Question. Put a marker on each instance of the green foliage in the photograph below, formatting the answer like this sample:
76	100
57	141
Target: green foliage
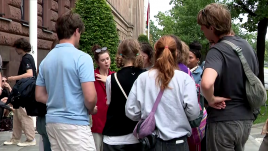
256	10
143	38
100	27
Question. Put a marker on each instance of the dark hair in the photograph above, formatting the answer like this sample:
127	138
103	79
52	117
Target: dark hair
97	54
165	60
195	48
23	44
148	49
67	24
129	50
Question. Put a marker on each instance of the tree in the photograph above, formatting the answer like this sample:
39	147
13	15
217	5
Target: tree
154	32
256	11
143	38
100	27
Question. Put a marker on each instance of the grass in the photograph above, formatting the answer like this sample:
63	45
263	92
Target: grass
262	118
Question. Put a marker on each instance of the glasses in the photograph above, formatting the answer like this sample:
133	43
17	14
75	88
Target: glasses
203	12
100	50
4	81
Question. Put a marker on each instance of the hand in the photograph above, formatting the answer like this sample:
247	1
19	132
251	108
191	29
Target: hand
4	99
265	128
218	102
101	78
6	85
95	110
12	78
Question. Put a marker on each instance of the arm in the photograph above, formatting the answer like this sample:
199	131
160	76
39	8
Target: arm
133	107
28	74
191	106
41	94
90	95
207	84
87	78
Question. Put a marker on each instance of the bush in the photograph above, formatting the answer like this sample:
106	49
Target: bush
100	27
143	38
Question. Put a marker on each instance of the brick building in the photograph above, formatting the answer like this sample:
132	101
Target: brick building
14	24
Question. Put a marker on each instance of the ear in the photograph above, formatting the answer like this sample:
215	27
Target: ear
76	31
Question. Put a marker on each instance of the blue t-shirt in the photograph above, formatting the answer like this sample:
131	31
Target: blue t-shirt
62	72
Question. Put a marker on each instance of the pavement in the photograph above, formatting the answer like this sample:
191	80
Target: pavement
253	143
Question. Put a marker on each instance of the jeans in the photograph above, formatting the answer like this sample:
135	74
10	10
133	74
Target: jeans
178	144
41	129
228	135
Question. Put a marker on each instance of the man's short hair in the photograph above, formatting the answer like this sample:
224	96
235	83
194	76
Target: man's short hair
67	24
217	16
23	44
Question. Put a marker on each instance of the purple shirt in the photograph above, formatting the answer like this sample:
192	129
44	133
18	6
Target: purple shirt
184	68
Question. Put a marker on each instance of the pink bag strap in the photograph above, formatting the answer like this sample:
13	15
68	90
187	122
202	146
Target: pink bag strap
159	96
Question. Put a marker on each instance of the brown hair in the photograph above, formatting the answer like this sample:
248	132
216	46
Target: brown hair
129	50
179	48
67	24
217	16
97	54
185	53
165	60
23	44
148	49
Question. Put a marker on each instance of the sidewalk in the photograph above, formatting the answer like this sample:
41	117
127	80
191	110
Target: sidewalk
255	138
252	144
7	135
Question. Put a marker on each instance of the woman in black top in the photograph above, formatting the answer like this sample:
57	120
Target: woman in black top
118	128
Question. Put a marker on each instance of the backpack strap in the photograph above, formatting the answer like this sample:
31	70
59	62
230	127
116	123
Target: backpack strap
250	75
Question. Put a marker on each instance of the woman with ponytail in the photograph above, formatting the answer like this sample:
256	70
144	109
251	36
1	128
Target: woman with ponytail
178	105
118	128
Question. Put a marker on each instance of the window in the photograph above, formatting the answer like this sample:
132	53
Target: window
46	14
24	8
4	10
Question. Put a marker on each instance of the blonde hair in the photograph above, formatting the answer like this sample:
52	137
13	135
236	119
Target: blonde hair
129	50
184	53
217	16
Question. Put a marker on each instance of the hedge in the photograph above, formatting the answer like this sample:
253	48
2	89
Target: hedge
100	27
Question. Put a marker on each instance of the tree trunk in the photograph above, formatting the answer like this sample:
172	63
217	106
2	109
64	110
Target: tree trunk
262	30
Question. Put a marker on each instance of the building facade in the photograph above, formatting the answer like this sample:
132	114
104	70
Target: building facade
14	24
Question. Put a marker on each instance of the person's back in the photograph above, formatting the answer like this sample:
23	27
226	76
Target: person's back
65	97
231	81
65	84
178	105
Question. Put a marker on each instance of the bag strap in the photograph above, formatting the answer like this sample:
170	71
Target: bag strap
159	96
120	85
250	75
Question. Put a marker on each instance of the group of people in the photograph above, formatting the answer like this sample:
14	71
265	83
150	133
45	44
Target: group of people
97	110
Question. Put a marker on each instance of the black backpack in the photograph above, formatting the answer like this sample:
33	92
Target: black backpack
23	95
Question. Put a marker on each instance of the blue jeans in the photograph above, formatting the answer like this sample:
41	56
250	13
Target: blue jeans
41	129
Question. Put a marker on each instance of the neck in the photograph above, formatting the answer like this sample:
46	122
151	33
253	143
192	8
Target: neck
70	41
147	65
103	72
23	53
220	37
129	63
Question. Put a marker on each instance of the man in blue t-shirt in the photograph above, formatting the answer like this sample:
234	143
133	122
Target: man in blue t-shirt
66	84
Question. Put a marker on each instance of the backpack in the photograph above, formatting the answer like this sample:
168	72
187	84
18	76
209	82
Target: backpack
255	91
198	125
23	95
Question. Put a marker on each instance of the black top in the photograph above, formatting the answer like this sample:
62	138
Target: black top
230	82
27	62
117	123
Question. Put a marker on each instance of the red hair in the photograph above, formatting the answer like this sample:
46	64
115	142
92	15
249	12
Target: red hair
165	60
